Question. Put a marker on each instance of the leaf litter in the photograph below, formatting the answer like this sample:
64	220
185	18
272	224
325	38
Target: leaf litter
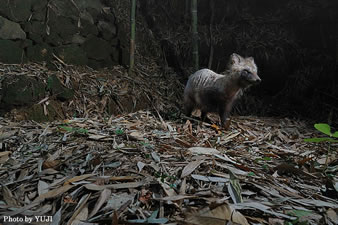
140	168
139	173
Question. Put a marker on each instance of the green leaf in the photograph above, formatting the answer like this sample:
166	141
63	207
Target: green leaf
65	128
324	128
118	131
251	174
316	140
335	134
82	131
267	158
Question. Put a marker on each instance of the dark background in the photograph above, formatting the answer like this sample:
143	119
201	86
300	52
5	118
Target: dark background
294	44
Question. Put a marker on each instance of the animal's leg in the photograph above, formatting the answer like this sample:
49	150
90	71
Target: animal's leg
224	113
203	115
188	108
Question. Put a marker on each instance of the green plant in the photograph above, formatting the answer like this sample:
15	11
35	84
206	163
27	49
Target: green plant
325	129
301	217
72	129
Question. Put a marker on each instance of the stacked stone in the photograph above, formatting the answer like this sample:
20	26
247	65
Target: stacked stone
80	32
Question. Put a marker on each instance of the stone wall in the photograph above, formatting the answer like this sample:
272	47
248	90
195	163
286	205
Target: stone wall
80	32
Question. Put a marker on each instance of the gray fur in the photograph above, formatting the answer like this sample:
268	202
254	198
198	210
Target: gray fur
212	92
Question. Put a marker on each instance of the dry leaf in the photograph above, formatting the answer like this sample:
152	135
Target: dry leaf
78	178
51	164
4	156
105	194
203	151
54	193
43	187
217	216
82	204
9	197
188	169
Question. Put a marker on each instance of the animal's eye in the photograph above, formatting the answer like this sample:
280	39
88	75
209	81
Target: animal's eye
245	72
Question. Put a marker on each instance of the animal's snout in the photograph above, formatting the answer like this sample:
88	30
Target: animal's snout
258	80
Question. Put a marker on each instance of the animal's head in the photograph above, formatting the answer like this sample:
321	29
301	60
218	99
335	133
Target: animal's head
245	68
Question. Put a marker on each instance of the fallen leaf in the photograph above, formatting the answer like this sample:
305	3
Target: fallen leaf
78	178
332	215
43	187
105	194
4	156
188	169
138	136
234	189
217	216
203	151
140	166
53	193
9	197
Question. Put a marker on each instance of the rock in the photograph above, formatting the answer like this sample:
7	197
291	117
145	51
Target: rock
88	29
10	30
88	24
78	39
107	30
97	48
37	38
95	14
87	17
21	90
16	10
36	112
39	5
36	27
39	15
61	8
95	64
85	4
36	31
25	43
63	27
54	39
72	54
57	89
108	15
39	52
10	52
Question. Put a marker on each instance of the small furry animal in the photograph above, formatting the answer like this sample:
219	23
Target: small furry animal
212	92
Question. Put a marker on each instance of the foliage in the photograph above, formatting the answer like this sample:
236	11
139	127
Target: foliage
73	129
325	129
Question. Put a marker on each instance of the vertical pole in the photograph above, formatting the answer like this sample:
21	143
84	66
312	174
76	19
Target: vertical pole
132	36
194	34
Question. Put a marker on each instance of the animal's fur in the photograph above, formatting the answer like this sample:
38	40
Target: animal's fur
212	92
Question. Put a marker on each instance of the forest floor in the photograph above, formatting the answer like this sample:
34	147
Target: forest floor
141	168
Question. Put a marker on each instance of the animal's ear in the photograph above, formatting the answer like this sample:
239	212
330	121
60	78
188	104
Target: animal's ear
250	58
235	58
